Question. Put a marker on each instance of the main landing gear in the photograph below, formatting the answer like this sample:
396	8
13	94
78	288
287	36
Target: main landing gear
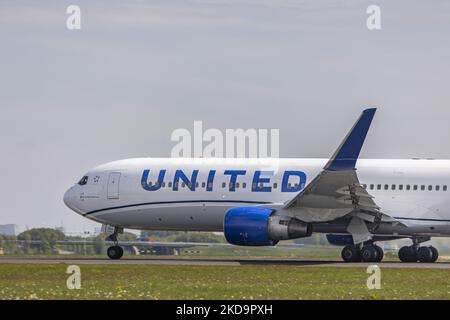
115	252
369	252
416	253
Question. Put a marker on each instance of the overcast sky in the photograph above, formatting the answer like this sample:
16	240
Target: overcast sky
117	88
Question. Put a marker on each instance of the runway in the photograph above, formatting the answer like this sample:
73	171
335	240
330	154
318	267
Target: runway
223	262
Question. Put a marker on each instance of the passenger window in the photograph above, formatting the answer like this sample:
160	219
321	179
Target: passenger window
164	184
244	185
393	187
430	188
150	183
415	187
224	184
400	187
83	181
289	184
437	188
196	184
183	184
422	187
371	186
386	187
156	184
379	187
203	184
364	186
275	185
170	184
444	188
408	187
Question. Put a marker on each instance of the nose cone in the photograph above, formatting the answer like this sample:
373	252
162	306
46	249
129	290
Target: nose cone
70	200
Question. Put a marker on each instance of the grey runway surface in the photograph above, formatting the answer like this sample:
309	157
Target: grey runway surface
222	262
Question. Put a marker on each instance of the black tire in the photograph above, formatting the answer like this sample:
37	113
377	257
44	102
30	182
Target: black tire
369	253
424	254
115	252
120	252
351	253
380	253
435	254
407	254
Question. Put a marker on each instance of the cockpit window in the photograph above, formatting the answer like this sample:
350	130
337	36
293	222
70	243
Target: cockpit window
83	181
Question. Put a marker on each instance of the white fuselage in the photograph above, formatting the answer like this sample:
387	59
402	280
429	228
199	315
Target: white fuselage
127	193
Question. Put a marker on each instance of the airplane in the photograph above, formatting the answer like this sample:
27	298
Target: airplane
259	202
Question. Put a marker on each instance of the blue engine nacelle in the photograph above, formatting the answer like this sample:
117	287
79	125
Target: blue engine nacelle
340	239
257	226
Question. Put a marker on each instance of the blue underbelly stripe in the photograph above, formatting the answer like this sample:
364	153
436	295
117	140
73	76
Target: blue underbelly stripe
421	219
173	202
226	201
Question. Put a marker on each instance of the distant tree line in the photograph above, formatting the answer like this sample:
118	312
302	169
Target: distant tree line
48	241
182	236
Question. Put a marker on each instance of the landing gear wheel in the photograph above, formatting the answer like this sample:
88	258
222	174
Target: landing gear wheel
425	254
369	253
435	254
351	253
115	252
380	253
407	254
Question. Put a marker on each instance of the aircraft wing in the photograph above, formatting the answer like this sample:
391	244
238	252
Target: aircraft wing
336	191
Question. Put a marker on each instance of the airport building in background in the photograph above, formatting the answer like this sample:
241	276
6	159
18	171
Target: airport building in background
8	229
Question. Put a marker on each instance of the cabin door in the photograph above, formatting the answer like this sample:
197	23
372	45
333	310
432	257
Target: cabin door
113	185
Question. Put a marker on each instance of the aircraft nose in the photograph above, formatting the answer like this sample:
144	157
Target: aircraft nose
72	200
69	197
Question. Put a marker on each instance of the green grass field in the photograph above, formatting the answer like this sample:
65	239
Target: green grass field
48	281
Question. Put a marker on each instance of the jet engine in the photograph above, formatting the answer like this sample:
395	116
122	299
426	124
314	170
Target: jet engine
257	226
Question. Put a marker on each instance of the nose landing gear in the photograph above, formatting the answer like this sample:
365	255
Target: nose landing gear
115	252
